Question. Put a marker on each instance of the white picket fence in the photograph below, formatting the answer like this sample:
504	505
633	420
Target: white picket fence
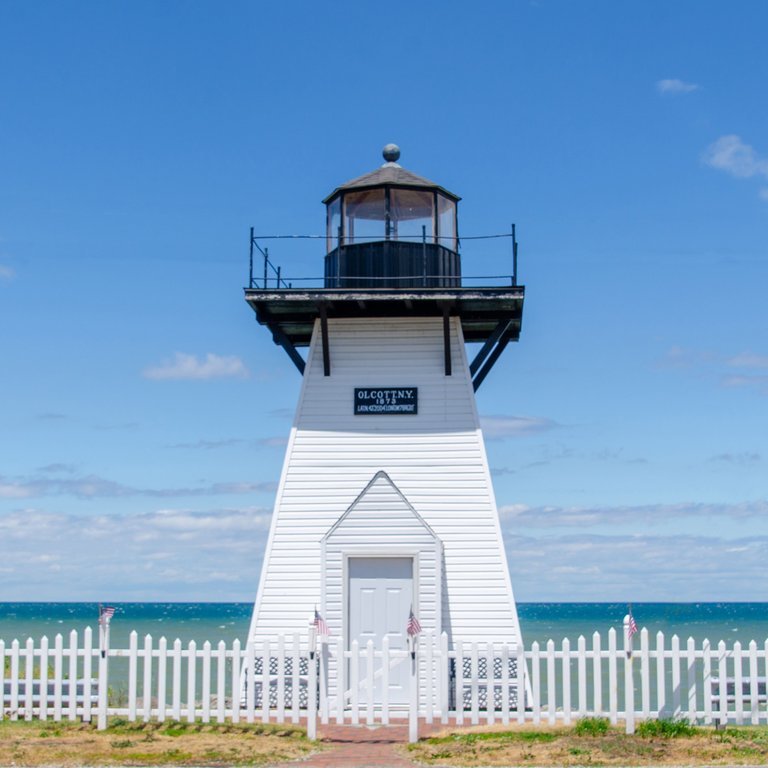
467	684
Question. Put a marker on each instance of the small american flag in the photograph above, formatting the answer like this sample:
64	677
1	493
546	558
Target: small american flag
106	612
632	628
414	625
320	624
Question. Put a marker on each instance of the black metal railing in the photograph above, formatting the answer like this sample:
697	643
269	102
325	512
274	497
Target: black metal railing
375	263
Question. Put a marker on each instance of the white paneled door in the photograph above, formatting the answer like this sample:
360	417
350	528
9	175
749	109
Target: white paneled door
380	598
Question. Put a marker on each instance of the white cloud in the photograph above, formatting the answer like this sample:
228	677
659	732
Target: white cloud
671	568
74	557
94	486
716	367
742	459
7	273
215	554
518	517
498	427
681	358
758	383
732	155
673	86
184	366
748	360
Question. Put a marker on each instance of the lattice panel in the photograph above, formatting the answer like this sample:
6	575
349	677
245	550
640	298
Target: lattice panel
274	666
480	680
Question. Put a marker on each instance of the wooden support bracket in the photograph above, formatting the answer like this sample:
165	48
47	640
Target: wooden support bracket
447	338
498	331
324	334
280	338
489	363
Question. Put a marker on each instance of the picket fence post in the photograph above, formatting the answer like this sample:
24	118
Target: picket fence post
722	673
385	659
459	667
295	677
250	681
235	681
738	684
629	686
429	679
162	665
551	683
505	684
323	650
597	675
566	678
661	694
645	674
369	682
354	682
522	676
613	690
581	665
706	651
44	682
29	677
87	672
221	681
176	680
445	665
676	698
341	674
691	680
146	690
14	703
312	694
101	722
413	710
753	684
536	682
191	681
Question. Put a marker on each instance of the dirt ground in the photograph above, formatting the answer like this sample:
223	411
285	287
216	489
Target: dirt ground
563	746
170	743
79	744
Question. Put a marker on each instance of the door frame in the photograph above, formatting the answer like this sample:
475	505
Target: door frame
384	553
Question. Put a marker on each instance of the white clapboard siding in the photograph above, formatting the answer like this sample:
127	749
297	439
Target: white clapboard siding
435	460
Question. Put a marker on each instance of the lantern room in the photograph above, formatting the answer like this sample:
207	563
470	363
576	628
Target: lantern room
392	229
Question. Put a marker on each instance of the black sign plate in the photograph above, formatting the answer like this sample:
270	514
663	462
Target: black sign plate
378	400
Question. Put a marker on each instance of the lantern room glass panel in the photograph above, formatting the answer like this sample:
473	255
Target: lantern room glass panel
410	211
334	222
365	216
446	222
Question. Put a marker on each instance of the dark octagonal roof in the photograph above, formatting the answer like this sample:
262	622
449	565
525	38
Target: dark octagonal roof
390	174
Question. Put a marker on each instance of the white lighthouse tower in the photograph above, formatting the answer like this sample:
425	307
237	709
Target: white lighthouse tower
385	502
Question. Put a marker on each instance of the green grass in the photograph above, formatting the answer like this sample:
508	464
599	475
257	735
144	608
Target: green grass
665	729
591	726
472	738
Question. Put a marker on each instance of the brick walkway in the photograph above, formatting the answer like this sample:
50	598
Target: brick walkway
360	746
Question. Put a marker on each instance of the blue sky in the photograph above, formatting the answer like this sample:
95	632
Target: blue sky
143	413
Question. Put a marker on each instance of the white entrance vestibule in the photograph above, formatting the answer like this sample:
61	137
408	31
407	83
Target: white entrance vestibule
379	561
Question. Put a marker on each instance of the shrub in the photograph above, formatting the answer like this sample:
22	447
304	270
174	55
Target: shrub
591	726
667	729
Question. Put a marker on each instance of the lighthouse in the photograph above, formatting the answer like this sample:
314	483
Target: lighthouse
385	505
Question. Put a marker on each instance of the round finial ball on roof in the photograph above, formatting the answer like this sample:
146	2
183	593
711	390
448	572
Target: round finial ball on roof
391	153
